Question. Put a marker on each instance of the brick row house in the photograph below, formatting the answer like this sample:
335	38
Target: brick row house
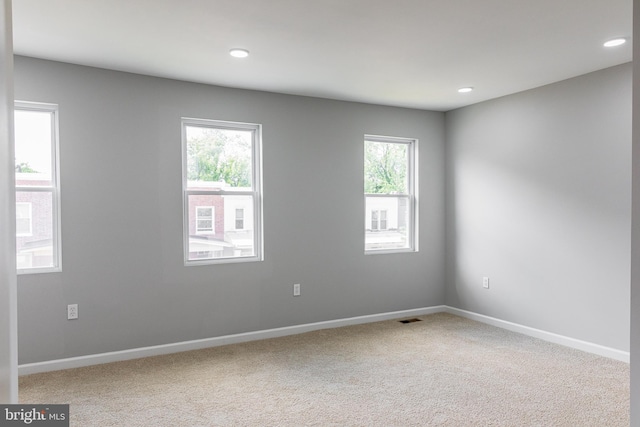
34	239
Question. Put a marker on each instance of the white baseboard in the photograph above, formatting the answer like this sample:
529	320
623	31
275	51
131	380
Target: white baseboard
136	353
589	347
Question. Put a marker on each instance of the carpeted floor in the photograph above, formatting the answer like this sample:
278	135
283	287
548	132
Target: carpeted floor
441	371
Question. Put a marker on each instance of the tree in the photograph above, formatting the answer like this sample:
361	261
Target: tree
219	155
24	167
385	168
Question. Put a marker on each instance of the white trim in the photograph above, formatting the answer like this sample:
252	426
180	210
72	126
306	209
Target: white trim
600	350
136	353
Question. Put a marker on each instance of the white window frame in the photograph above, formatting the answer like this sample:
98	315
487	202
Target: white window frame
255	192
213	220
30	217
54	189
411	195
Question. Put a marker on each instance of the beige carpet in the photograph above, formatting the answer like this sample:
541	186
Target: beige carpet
442	371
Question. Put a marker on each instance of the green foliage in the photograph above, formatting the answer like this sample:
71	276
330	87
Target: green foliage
385	168
217	155
24	167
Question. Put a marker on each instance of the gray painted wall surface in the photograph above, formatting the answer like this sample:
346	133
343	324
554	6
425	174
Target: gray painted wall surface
635	235
538	199
120	155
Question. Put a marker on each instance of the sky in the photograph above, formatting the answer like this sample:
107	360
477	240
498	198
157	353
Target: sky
33	135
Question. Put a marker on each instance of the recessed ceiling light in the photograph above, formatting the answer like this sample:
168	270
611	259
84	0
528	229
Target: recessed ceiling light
239	53
465	89
615	42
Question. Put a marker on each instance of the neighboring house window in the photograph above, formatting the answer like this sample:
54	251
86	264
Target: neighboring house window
204	219
390	181
239	219
24	219
222	191
378	220
37	188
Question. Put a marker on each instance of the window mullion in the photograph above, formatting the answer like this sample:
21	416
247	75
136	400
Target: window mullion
35	189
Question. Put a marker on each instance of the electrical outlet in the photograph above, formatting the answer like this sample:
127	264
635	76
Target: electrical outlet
485	282
296	290
72	311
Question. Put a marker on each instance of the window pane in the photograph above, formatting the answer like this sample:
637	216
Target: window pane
224	240
204	218
387	228
205	212
23	219
205	225
221	173
218	158
35	249
33	145
385	168
239	219
390	175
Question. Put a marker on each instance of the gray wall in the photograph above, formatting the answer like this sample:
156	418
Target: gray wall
122	216
635	235
8	316
538	199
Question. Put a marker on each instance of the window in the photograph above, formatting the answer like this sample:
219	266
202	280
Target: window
390	174
378	220
239	219
37	189
204	219
222	191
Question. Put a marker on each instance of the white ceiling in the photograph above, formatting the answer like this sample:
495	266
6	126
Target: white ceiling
411	53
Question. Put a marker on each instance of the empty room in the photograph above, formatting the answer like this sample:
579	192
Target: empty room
347	213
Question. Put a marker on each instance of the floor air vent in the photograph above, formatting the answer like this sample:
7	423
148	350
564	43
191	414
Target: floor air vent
415	319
